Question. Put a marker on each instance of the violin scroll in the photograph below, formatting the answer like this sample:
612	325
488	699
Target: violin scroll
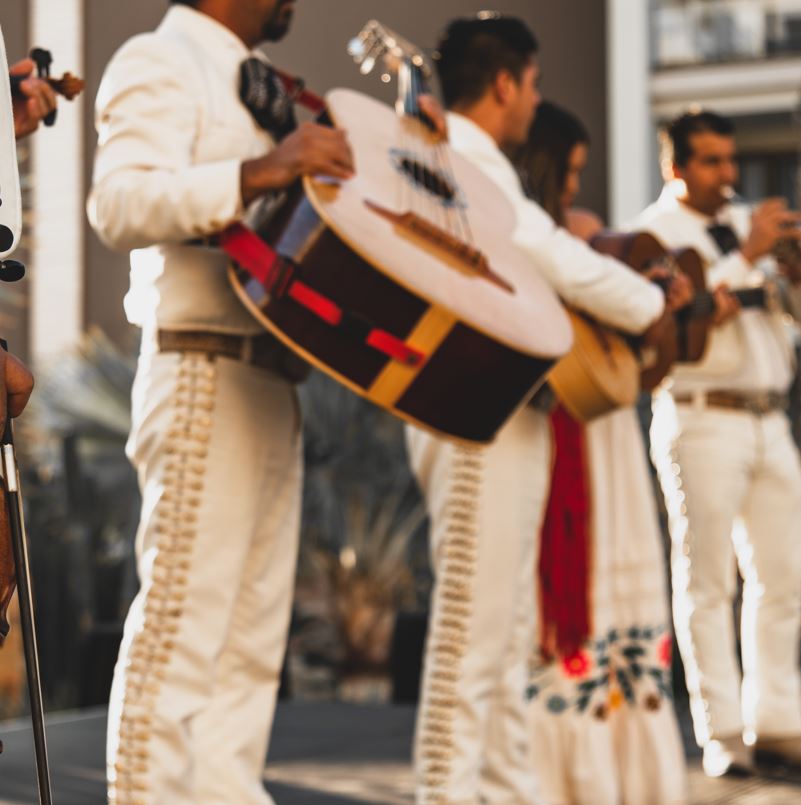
69	86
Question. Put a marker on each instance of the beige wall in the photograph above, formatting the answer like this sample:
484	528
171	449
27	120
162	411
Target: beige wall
14	21
107	272
572	57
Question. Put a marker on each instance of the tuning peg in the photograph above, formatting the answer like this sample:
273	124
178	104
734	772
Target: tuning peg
11	271
357	47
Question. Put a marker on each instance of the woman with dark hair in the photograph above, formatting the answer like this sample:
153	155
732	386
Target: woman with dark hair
600	711
553	159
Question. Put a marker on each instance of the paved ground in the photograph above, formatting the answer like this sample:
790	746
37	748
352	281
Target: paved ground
323	754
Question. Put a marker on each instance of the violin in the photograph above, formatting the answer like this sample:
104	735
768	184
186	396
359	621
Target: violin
69	86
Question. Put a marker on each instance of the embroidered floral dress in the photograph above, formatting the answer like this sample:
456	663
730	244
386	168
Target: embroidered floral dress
602	722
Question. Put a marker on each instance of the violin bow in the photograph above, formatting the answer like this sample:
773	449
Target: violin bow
19	544
13	540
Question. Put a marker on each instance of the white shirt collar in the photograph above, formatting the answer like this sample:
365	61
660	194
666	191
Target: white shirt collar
469	135
213	35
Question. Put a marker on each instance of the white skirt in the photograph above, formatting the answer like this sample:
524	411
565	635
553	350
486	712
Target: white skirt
602	722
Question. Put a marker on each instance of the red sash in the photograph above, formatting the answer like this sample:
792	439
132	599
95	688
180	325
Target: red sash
564	562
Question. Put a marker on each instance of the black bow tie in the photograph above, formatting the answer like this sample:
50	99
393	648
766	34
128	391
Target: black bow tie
263	92
725	237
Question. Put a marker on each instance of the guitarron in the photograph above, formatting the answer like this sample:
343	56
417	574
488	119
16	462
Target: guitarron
402	283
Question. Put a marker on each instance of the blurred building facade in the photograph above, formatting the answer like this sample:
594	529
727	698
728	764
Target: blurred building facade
743	59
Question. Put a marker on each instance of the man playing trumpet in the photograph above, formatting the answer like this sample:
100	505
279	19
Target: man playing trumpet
728	454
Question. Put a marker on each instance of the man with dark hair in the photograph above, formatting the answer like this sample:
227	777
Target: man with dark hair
724	452
486	505
679	133
216	433
469	57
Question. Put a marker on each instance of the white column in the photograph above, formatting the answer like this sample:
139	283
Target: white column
57	253
631	151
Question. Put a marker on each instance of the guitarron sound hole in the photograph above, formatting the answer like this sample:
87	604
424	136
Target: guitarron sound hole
425	176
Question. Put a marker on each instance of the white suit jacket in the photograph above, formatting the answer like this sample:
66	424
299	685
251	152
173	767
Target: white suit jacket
600	286
172	134
752	352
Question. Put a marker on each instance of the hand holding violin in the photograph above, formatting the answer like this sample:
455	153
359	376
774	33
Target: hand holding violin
33	101
34	96
727	306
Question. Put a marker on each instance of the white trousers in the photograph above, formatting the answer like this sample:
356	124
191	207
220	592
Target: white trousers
726	465
217	447
486	507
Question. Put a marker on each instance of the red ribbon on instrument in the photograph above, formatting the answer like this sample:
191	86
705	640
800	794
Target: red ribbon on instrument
564	563
275	275
296	90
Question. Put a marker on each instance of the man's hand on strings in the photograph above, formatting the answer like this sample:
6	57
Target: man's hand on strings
678	289
432	111
726	305
17	385
312	150
37	99
680	292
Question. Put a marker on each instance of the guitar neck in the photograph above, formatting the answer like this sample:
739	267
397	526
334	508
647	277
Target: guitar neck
412	84
704	303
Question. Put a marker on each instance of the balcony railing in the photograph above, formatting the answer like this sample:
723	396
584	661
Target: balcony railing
687	32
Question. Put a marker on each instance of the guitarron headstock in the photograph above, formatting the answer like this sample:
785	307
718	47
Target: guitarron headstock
376	44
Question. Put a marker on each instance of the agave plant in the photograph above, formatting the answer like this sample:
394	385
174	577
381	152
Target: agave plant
370	580
353	451
363	541
82	509
88	391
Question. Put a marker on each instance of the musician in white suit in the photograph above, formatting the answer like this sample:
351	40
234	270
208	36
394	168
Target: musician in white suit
486	504
216	431
723	448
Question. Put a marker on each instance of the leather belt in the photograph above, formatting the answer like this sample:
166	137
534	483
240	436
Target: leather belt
758	402
263	351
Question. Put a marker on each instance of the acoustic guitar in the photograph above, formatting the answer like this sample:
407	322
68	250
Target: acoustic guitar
605	369
403	283
694	321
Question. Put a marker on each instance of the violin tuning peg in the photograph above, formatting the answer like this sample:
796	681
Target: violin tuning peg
43	59
11	271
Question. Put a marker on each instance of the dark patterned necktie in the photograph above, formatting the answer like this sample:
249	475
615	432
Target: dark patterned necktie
263	92
725	238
